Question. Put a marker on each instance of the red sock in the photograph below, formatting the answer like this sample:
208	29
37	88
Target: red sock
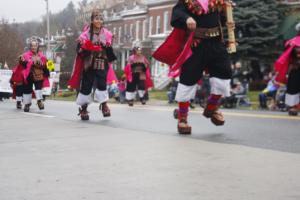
213	102
183	108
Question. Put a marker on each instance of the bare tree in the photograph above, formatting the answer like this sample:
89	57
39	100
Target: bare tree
11	44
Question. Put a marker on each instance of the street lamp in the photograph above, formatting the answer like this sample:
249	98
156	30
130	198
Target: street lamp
48	29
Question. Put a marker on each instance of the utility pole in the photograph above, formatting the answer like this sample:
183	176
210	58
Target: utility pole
48	28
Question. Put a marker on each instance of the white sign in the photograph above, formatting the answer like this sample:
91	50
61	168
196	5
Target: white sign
53	79
49	54
55	76
5	76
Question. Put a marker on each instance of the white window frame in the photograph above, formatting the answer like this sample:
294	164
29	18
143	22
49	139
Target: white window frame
137	30
158	25
150	25
120	35
166	21
131	31
144	29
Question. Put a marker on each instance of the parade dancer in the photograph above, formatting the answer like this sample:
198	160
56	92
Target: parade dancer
93	64
138	76
196	44
35	73
288	72
17	82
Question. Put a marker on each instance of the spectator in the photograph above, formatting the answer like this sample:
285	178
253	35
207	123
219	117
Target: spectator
269	91
122	89
237	89
54	89
240	75
113	89
237	73
203	91
172	91
280	98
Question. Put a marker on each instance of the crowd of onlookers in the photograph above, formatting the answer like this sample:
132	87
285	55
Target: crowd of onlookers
273	95
270	98
239	90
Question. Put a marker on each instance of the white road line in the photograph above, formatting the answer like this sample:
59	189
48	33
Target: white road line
237	114
38	115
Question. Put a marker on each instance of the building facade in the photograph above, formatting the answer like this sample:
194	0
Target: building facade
137	23
146	23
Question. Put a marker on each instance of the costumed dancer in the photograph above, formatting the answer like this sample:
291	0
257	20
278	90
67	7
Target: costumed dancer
288	72
138	76
93	64
196	44
17	82
35	73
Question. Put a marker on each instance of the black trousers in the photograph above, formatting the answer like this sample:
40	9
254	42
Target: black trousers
28	88
19	90
135	84
93	76
210	54
293	85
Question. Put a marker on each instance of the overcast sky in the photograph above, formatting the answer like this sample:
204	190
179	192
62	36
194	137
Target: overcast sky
26	10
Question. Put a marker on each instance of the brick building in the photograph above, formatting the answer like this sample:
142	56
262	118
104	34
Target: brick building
137	23
146	23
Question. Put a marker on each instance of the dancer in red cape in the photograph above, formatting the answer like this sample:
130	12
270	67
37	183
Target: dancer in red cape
288	72
138	76
93	64
17	83
35	73
196	44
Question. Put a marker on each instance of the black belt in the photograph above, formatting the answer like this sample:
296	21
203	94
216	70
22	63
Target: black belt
204	33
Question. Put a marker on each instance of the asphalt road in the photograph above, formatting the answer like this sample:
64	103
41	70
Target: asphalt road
137	154
269	130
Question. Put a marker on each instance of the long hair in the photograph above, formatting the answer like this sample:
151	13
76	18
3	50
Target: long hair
91	32
36	41
96	12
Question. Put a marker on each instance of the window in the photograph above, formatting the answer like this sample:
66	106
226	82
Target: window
144	29
158	28
120	35
125	29
115	31
150	25
125	33
137	30
131	31
166	21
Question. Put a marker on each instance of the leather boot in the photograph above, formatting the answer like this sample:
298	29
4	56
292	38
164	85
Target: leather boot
293	111
84	114
216	117
130	103
183	127
26	107
105	109
40	104
143	101
19	105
